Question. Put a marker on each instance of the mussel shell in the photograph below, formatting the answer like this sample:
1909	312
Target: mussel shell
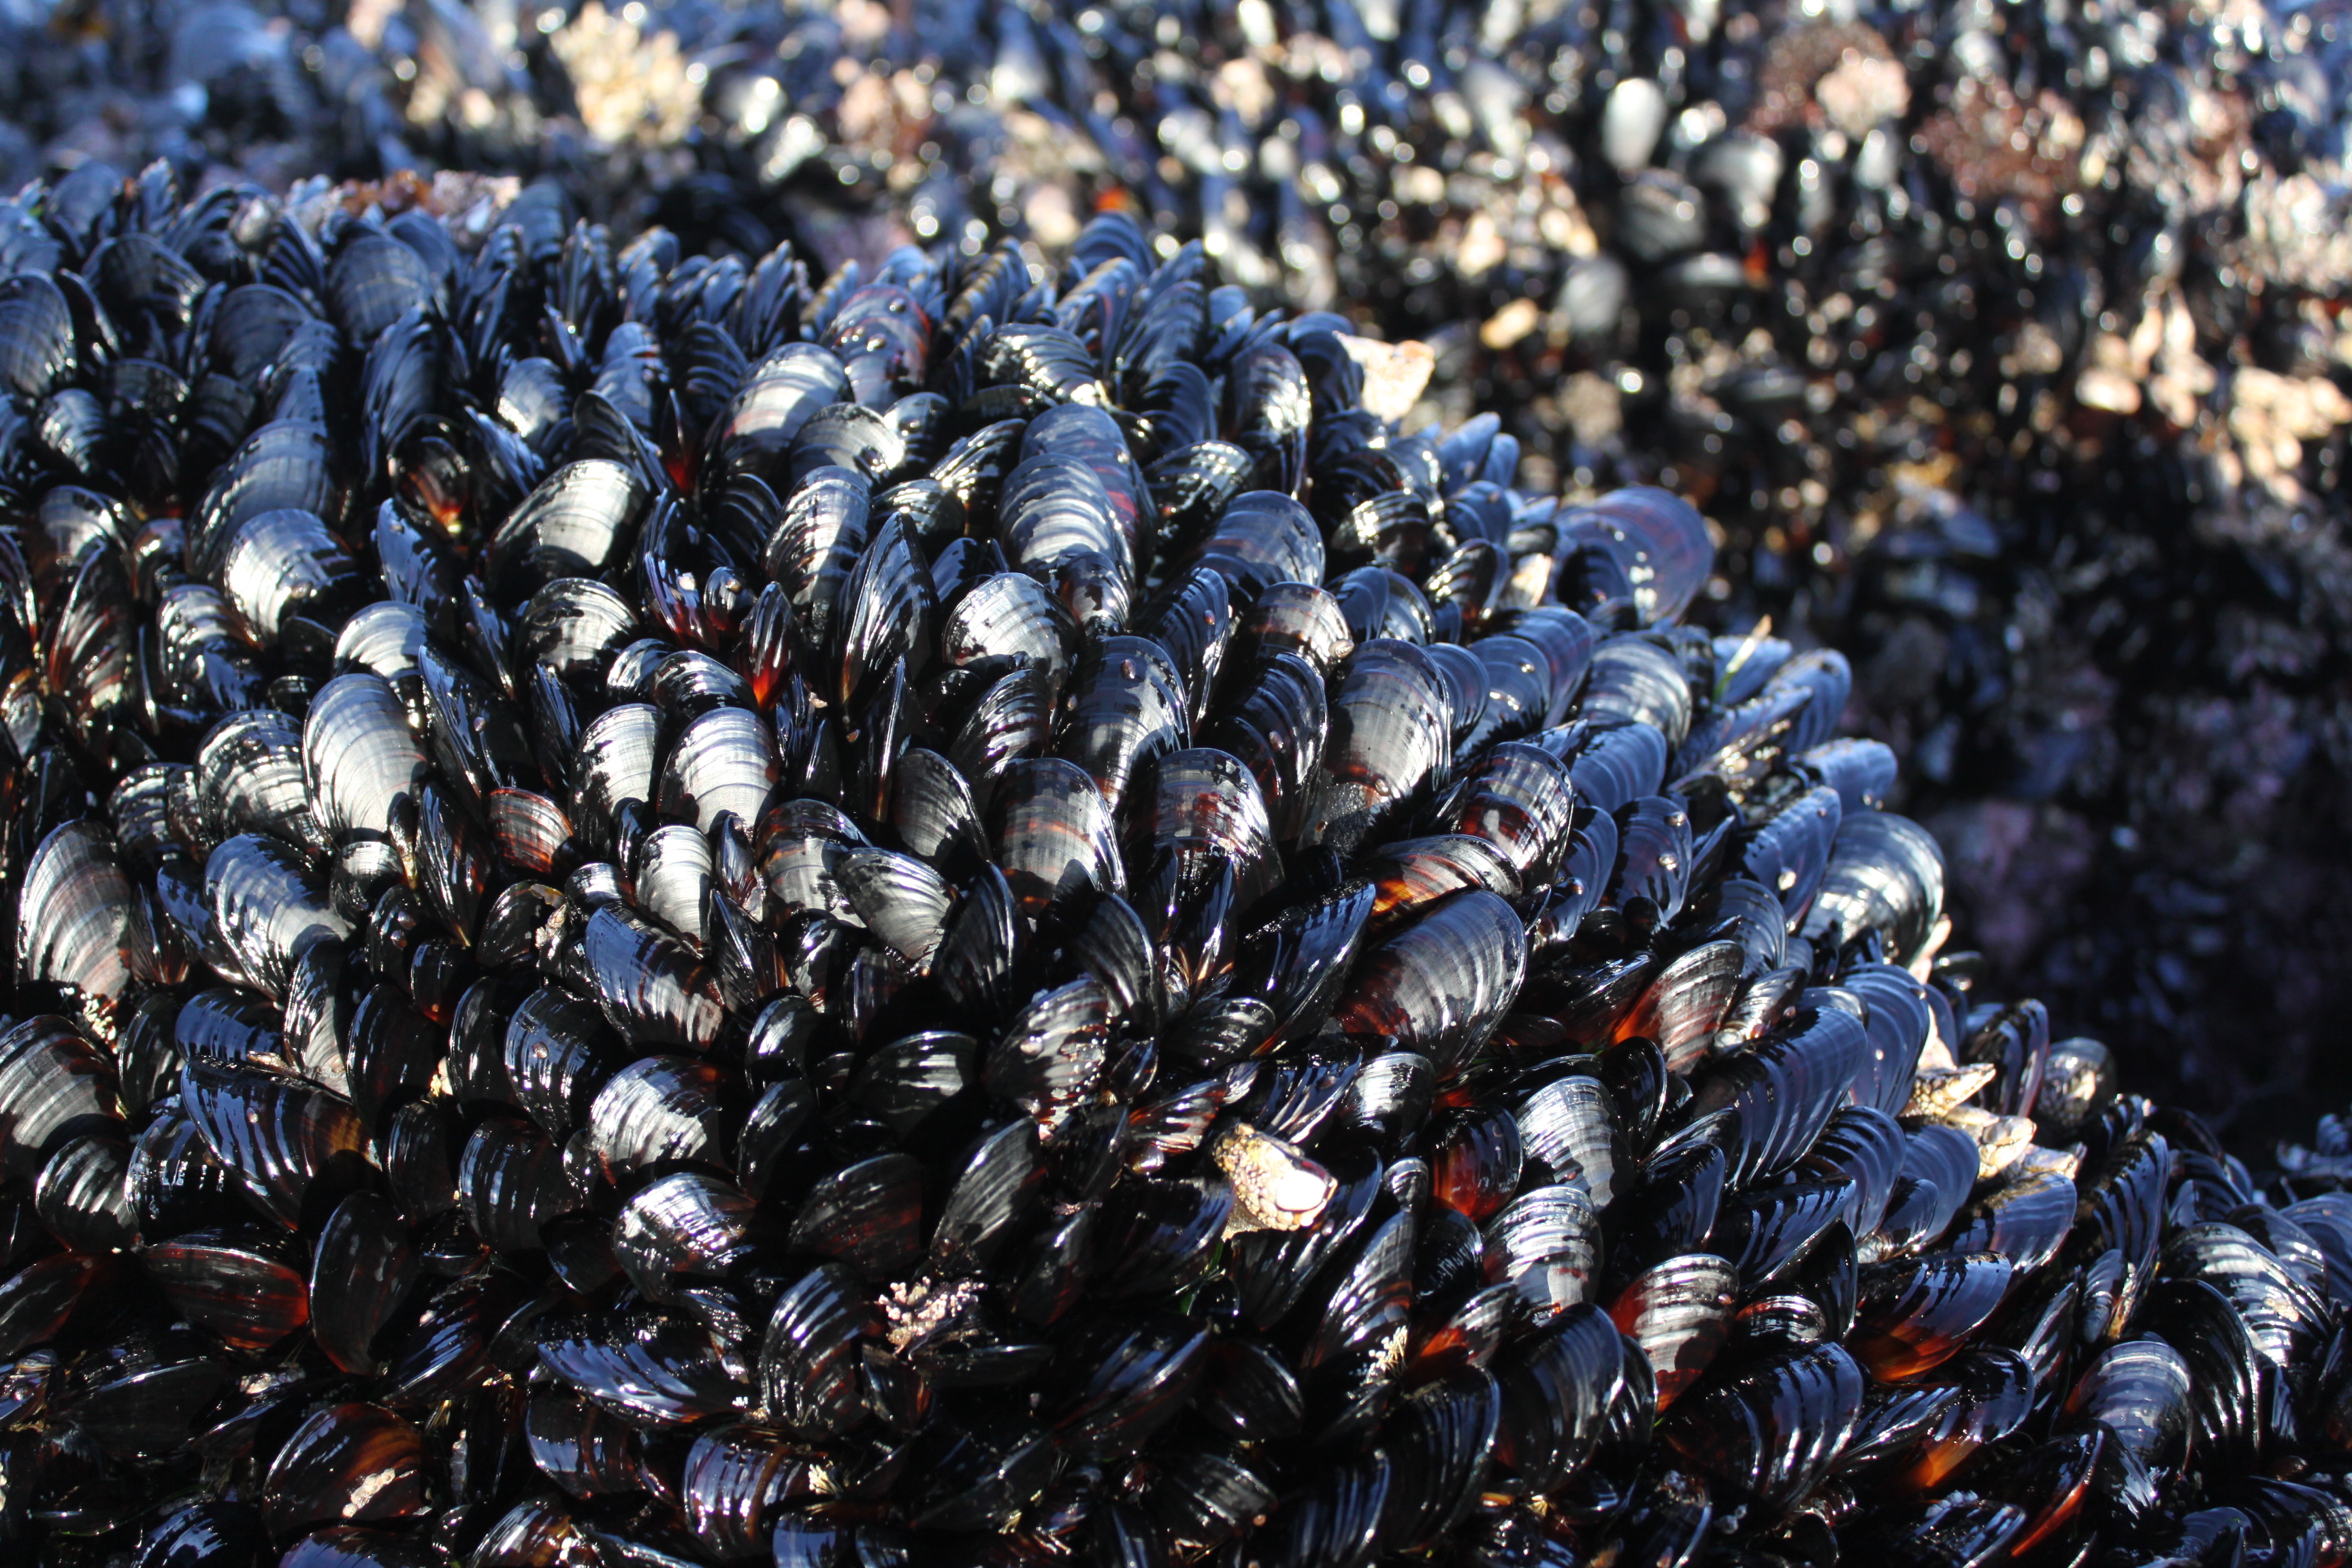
83	1194
1555	1390
55	1087
1679	1314
361	1269
2078	1082
1204	802
1659	537
277	565
359	756
39	333
679	1229
1786	1089
733	1479
1439	987
580	1447
353	1462
867	1215
1771	1433
1685	1004
1917	1313
1571	1125
1009	617
249	776
1298	618
245	1285
1546	1244
1412	873
1118	1382
281	1134
575	524
1390	733
510	1179
1885	875
647	1366
2140	1390
725	761
283	466
1054	833
979	1472
74	916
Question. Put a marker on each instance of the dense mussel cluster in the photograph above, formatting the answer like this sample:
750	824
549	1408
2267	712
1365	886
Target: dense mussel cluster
667	913
2003	343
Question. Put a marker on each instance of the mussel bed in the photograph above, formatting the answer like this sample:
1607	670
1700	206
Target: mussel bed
2003	344
662	912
